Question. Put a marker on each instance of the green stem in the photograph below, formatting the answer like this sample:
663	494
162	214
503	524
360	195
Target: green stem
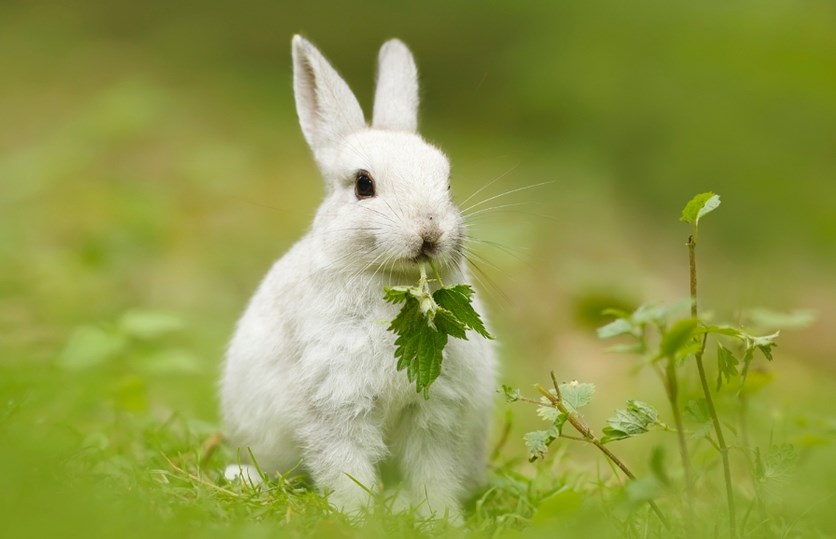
672	389
437	275
709	401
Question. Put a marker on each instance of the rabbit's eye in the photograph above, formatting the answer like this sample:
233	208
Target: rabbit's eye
364	185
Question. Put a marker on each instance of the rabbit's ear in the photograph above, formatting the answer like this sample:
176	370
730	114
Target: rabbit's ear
328	110
396	97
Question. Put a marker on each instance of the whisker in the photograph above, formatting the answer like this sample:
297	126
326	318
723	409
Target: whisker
506	193
493	181
499	207
487	262
485	281
514	253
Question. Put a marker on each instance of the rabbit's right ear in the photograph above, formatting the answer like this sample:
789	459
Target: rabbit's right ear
328	110
396	97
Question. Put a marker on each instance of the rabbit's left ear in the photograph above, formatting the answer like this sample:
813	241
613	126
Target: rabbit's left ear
396	97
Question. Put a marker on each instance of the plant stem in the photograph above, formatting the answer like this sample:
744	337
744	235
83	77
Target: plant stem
437	275
672	390
709	401
580	426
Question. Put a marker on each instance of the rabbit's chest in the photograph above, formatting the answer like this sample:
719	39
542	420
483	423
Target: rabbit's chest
346	348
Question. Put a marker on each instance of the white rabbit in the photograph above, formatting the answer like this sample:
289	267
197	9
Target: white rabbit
310	375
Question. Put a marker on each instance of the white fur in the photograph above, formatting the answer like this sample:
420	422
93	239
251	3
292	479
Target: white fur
310	373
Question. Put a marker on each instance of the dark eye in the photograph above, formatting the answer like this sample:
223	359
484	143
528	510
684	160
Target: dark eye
364	185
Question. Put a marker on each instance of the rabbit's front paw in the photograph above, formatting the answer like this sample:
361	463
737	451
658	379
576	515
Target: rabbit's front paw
247	474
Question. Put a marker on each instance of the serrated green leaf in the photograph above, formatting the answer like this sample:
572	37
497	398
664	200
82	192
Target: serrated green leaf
548	413
512	394
538	443
424	324
418	347
726	365
458	300
409	316
445	322
764	344
576	395
396	294
635	420
699	206
677	338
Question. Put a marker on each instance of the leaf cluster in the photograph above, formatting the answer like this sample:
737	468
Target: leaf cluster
638	417
425	322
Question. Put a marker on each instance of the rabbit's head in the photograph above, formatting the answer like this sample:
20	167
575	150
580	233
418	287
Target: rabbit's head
387	204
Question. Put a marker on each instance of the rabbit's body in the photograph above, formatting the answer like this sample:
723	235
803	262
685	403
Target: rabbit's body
310	375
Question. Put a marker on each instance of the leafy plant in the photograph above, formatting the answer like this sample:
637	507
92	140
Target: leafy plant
671	345
425	322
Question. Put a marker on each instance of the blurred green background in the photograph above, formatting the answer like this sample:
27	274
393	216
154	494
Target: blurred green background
151	169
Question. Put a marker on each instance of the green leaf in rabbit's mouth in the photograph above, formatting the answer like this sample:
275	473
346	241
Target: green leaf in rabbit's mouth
425	322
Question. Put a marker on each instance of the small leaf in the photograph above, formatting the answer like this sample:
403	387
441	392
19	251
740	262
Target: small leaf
636	419
396	294
538	443
576	395
548	413
726	365
512	394
619	326
677	337
699	206
764	344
